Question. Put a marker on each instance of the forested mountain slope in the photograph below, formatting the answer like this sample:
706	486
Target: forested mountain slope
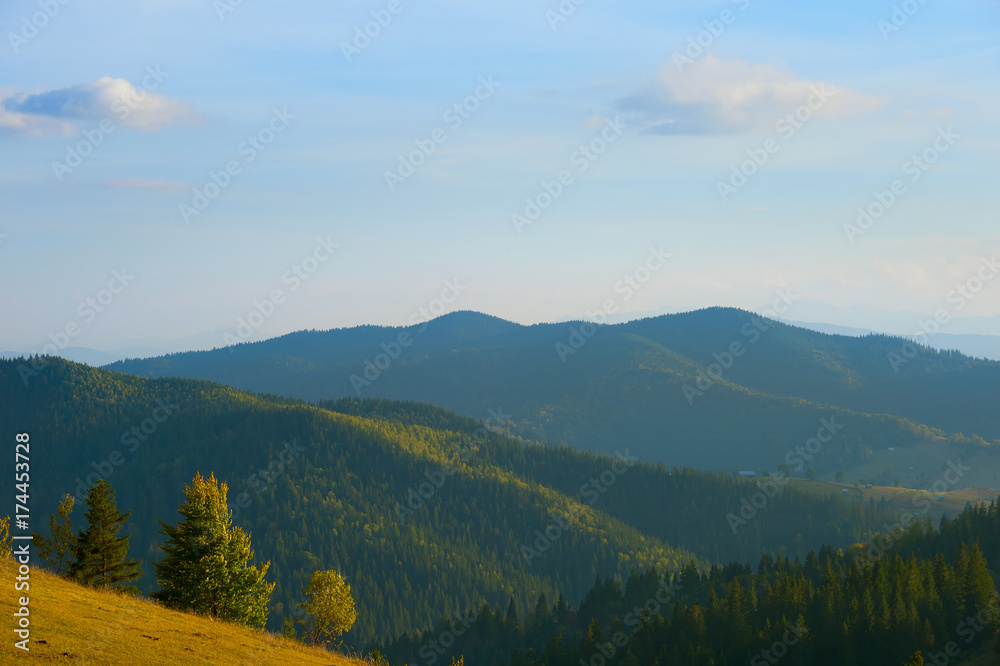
424	510
712	389
829	610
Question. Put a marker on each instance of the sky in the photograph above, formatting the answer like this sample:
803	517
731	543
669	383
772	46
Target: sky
170	168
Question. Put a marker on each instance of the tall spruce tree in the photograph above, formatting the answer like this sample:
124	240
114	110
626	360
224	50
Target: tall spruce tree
206	567
100	555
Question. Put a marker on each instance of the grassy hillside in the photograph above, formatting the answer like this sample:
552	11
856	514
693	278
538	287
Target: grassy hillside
644	382
70	622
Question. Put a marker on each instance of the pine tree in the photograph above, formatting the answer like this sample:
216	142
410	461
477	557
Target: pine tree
510	618
58	550
100	555
206	567
978	586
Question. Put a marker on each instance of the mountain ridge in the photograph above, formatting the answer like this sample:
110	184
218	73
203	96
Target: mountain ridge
686	374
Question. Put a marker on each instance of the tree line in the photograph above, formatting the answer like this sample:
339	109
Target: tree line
832	609
206	566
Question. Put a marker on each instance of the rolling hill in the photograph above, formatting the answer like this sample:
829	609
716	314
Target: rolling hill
425	511
712	389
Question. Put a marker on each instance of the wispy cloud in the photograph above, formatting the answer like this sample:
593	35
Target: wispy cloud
59	111
715	96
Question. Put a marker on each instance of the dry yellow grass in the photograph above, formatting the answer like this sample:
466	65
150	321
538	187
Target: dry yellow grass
72	623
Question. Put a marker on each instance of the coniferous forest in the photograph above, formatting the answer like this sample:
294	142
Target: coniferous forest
460	539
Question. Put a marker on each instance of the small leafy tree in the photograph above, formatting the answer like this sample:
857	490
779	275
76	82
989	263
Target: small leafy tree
206	567
840	477
100	555
916	660
288	628
5	541
811	474
329	607
58	550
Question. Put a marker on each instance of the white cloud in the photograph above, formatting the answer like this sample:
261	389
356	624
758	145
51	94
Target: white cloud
60	111
715	96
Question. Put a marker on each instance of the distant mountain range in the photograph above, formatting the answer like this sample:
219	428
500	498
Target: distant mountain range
970	344
713	389
978	337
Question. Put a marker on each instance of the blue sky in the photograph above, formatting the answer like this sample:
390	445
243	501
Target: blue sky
345	121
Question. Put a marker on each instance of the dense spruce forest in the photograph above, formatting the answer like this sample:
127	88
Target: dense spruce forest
671	386
425	512
932	594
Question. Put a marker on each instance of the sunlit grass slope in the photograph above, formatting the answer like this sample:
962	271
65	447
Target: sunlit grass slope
75	624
